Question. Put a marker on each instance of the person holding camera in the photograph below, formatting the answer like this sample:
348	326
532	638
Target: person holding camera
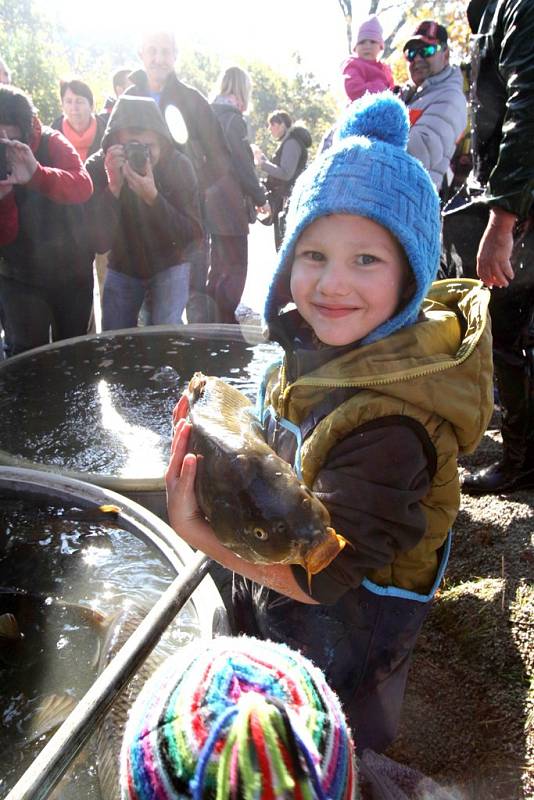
283	169
46	260
145	210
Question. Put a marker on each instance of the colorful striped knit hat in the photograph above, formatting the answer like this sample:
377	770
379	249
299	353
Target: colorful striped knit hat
237	719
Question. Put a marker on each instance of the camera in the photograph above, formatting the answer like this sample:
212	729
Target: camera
3	161
137	155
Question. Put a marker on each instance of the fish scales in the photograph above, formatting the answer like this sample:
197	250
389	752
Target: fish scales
219	401
253	499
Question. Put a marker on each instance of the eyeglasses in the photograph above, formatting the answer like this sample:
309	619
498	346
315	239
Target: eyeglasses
425	51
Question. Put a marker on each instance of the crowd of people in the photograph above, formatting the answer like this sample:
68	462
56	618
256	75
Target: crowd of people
379	391
196	271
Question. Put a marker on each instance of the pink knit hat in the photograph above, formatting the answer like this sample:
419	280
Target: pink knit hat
370	29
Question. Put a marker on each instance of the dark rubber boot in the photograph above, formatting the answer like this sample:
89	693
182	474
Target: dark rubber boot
514	372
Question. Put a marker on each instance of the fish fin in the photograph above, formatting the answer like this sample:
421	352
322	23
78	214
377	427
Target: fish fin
9	627
324	552
310	576
196	387
50	714
94	616
110	509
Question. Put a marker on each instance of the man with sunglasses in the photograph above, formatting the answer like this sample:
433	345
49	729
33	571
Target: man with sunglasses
435	99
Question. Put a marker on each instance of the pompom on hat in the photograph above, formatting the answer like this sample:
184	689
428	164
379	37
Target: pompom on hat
370	29
367	172
237	719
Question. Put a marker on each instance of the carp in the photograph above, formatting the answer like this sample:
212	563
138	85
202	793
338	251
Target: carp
252	498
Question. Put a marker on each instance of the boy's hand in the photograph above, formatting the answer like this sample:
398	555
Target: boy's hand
114	162
142	185
182	504
181	410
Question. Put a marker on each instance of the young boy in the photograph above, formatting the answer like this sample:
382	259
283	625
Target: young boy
364	72
383	392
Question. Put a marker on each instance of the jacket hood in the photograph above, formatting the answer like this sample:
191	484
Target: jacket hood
301	134
135	112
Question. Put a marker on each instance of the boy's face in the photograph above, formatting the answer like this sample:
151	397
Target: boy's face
368	49
349	276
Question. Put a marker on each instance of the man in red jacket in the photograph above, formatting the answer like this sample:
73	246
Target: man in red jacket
46	277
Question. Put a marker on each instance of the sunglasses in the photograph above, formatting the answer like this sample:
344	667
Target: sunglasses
425	51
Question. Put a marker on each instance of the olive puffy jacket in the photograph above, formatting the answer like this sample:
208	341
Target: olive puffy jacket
437	372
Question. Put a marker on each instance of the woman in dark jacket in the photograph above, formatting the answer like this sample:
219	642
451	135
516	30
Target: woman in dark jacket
240	193
286	165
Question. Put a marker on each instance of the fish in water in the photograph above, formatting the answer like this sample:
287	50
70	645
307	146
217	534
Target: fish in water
252	498
42	638
31	623
110	731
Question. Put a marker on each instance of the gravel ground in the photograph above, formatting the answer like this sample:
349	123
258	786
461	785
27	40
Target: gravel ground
468	719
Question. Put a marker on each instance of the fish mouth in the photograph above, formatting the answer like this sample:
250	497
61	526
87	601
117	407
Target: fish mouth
323	553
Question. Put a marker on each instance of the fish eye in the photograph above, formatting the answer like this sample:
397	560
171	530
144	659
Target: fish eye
259	533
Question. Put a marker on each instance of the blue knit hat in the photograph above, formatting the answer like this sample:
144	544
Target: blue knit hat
368	172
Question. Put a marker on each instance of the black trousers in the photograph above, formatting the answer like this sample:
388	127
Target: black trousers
363	643
512	323
227	275
35	315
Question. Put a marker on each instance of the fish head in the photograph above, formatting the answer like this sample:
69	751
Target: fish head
281	521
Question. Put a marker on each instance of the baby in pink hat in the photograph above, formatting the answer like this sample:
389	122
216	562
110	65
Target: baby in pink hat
364	72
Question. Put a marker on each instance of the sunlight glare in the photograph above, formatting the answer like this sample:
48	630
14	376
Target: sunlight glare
140	444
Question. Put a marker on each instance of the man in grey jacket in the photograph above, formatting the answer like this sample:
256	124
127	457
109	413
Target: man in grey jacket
435	99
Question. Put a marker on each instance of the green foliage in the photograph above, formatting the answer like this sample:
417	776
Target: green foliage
29	46
301	96
199	70
39	53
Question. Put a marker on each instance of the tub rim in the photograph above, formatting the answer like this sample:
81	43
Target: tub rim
206	599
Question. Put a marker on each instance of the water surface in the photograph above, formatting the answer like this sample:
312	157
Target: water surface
54	570
104	404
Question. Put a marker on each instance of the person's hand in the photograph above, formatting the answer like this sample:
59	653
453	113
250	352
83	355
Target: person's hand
21	163
142	185
180	410
264	213
182	506
114	161
494	267
259	156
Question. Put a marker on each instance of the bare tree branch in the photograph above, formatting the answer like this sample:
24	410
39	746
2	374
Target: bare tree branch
346	8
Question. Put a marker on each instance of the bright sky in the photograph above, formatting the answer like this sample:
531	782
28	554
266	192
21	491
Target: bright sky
270	31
